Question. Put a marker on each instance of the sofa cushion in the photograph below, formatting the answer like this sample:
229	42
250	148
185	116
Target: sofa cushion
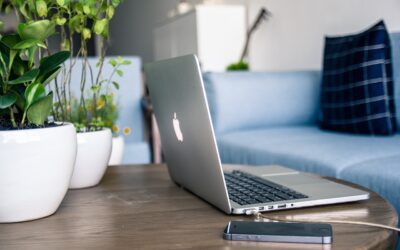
395	41
245	100
306	148
381	175
357	88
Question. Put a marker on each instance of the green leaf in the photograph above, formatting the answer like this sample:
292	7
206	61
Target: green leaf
31	55
41	8
27	77
101	27
113	62
86	9
120	72
50	76
65	45
4	58
61	21
95	88
19	66
110	11
33	93
25	44
22	9
86	34
115	3
7	100
39	30
20	101
10	40
60	2
13	54
75	24
40	110
7	9
116	85
41	45
49	63
126	62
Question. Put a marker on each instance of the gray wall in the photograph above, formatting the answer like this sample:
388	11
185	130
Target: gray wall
134	21
133	24
292	39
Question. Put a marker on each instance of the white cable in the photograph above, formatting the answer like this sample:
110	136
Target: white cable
260	215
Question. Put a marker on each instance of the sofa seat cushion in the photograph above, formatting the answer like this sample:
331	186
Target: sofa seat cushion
381	175
306	148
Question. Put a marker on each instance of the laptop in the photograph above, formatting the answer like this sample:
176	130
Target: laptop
191	153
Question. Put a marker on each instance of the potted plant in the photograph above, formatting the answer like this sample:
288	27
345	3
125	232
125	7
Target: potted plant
37	156
242	65
106	109
84	20
98	114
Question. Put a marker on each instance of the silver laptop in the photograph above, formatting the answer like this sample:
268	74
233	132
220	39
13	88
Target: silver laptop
189	146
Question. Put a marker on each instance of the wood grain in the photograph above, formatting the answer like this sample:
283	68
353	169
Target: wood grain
138	207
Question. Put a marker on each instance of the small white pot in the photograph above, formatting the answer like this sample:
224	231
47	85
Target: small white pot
117	151
35	170
94	149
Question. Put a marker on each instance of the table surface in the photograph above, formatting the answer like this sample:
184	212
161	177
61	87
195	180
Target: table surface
138	207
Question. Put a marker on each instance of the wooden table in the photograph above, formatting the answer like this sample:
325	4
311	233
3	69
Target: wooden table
138	207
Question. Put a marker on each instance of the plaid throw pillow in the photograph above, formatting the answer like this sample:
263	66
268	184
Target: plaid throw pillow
357	87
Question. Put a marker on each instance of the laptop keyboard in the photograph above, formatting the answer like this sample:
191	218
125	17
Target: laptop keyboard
244	189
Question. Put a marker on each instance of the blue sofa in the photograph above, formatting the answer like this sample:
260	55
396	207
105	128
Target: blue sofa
272	118
129	96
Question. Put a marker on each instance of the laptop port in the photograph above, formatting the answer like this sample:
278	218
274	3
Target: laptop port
270	207
282	206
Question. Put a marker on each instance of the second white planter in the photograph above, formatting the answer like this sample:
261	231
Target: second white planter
94	149
117	151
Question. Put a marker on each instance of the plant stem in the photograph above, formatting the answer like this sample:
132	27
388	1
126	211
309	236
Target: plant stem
102	56
14	124
263	15
23	120
72	62
82	102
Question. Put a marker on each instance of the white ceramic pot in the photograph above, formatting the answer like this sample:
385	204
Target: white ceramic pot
35	170
117	151
94	149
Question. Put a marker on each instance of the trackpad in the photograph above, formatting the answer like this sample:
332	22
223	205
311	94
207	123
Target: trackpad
295	179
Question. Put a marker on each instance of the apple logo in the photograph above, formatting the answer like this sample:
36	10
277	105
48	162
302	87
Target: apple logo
177	128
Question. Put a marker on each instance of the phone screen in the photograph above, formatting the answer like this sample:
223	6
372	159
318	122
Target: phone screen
278	228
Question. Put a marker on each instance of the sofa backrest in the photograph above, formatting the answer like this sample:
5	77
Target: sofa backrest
128	97
395	39
249	100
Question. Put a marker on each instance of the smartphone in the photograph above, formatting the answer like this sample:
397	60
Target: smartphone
279	232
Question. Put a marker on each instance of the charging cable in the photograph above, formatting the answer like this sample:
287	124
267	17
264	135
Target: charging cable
259	215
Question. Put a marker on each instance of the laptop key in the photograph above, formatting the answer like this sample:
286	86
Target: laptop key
246	189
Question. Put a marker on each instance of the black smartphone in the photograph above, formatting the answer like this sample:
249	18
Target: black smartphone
292	232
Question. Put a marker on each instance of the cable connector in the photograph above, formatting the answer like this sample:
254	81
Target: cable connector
259	215
251	212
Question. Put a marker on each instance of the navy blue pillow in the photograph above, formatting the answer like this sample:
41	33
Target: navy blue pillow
357	83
